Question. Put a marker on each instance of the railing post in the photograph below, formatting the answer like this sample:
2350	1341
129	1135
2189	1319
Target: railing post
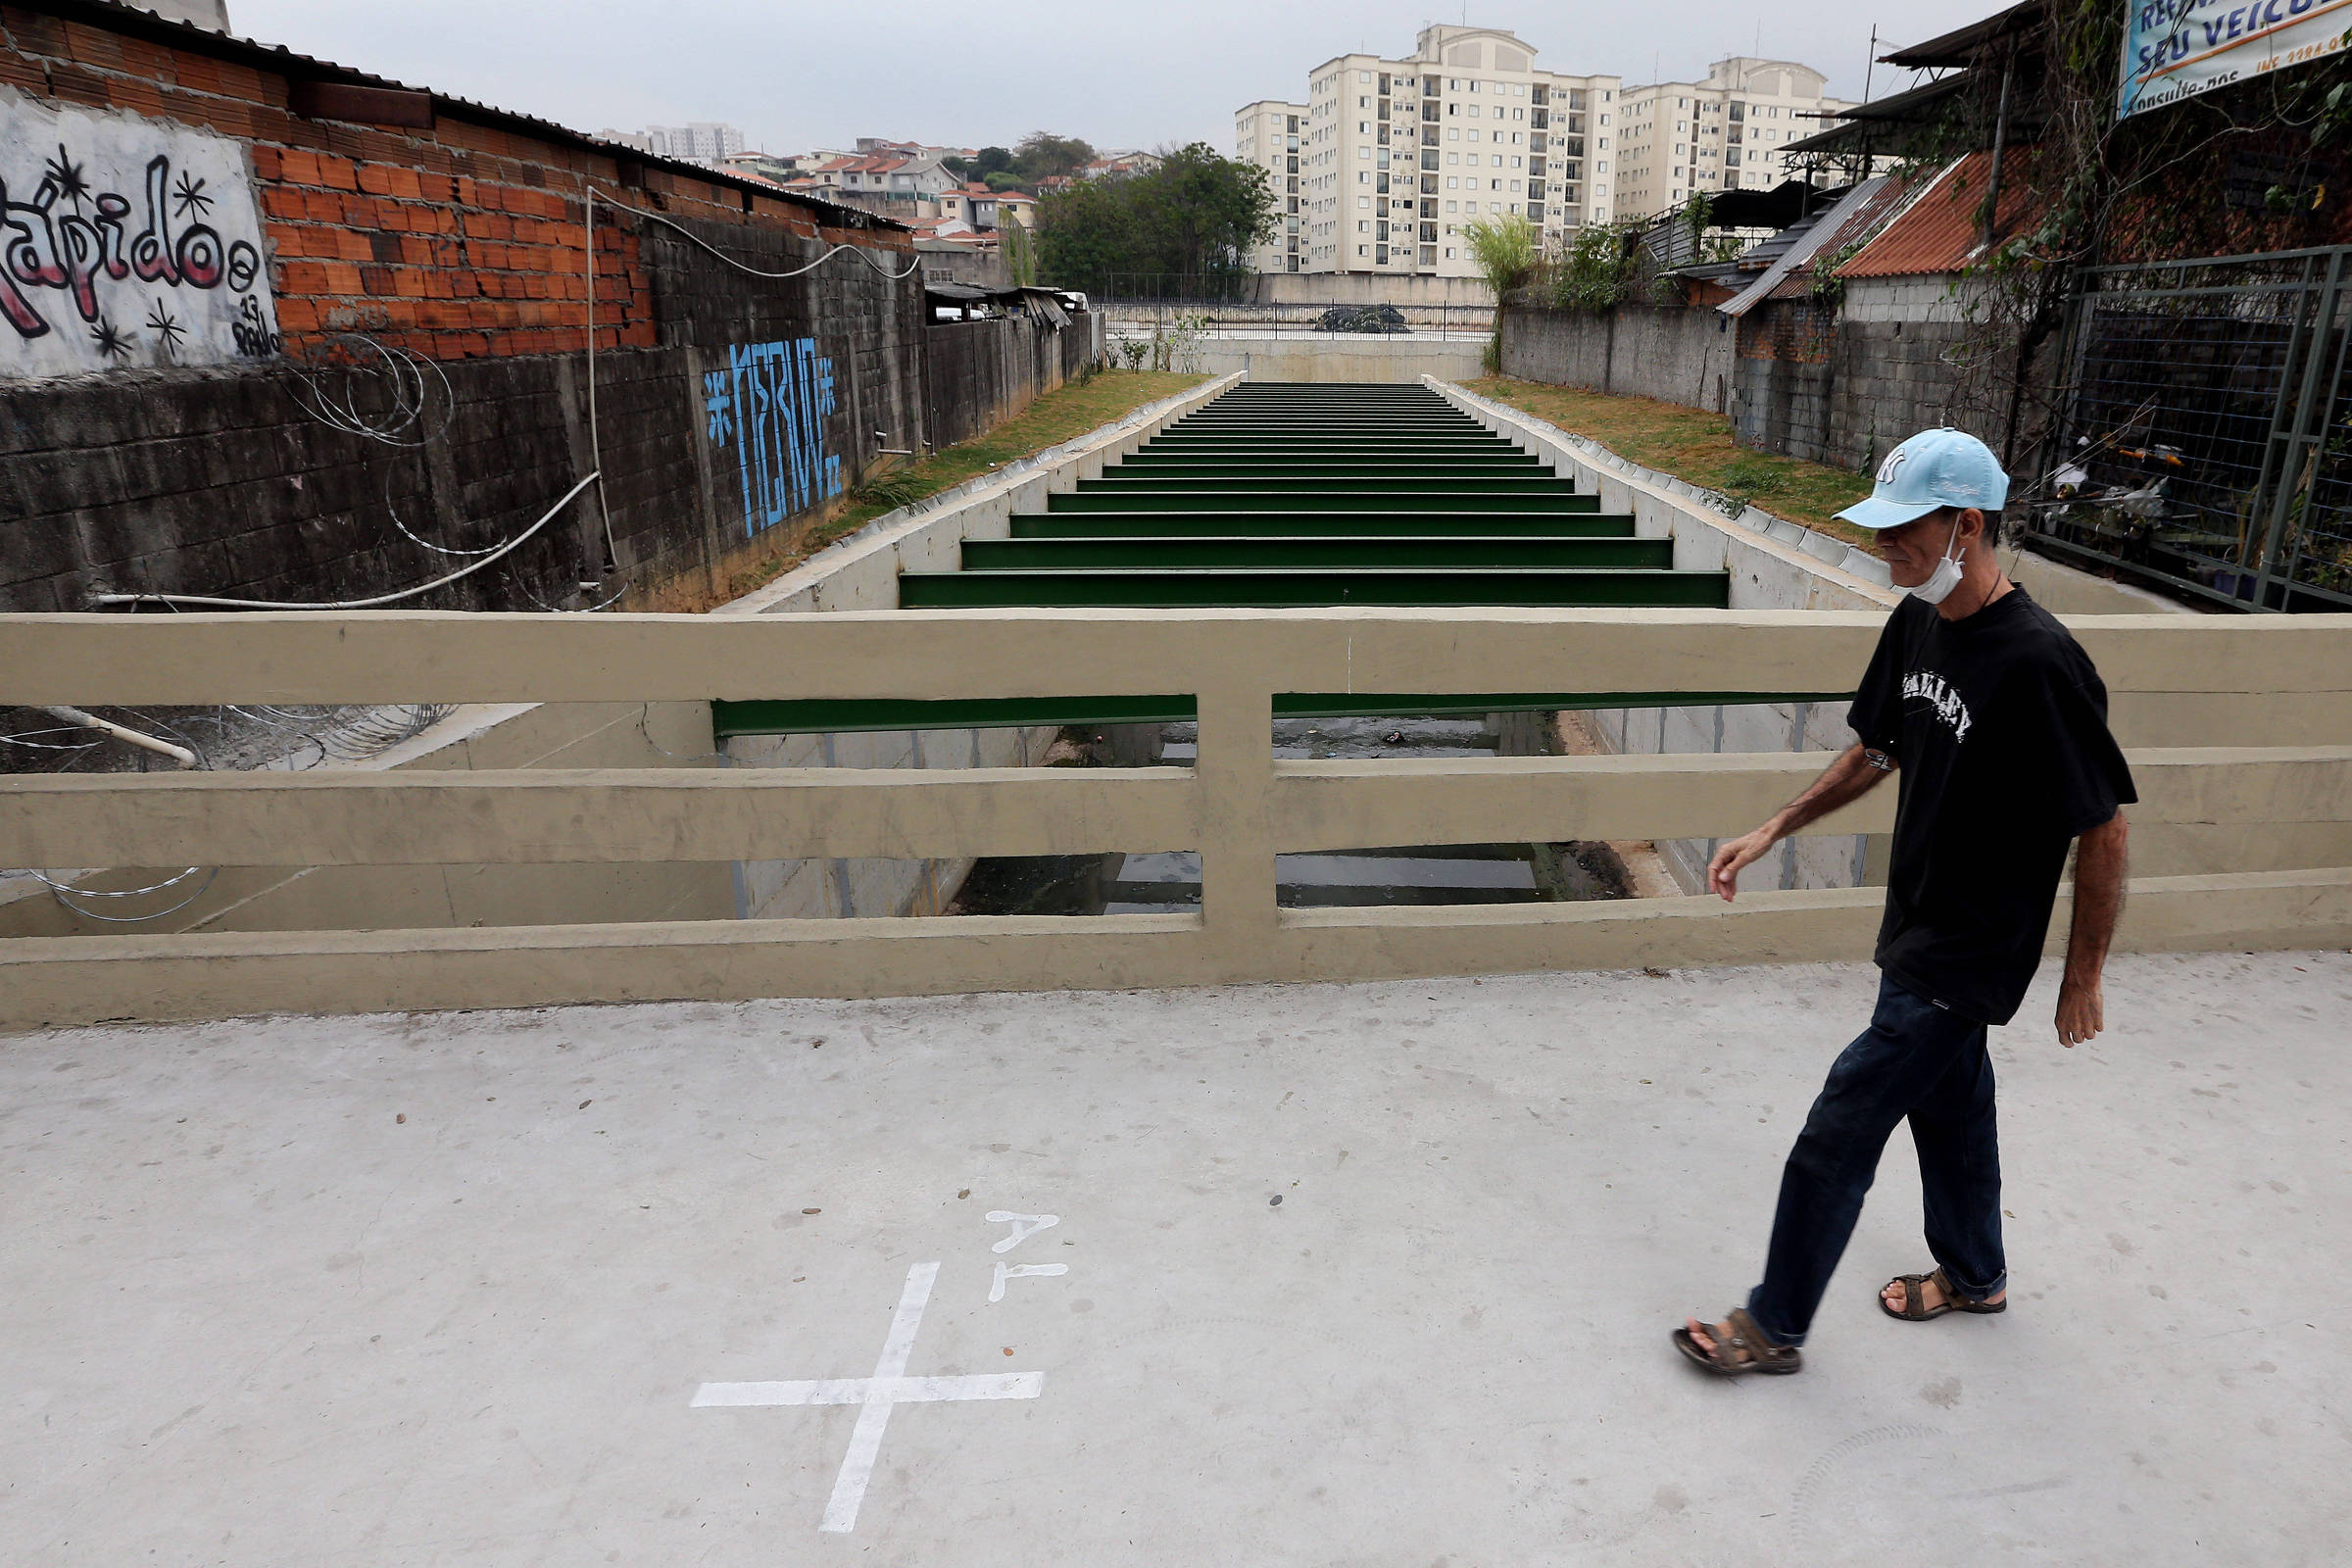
1235	774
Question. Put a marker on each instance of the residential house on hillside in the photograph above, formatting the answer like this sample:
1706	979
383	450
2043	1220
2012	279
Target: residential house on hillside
1116	166
888	182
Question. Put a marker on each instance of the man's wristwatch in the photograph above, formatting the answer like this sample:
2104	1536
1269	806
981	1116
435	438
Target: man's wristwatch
1878	759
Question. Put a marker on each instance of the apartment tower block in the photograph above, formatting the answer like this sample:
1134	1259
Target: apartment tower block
1387	159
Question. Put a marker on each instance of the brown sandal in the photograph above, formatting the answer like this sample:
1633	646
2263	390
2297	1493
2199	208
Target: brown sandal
1914	1311
1747	1350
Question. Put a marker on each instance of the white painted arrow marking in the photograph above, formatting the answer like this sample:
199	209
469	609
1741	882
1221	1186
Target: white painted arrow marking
1024	1226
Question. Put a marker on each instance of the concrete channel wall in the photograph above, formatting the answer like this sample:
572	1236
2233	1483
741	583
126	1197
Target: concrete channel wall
862	573
1774	564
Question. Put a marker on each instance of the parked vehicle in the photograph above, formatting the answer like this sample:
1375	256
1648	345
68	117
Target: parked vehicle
1362	319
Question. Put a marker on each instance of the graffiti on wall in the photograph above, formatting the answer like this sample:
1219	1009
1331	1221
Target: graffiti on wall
126	242
771	405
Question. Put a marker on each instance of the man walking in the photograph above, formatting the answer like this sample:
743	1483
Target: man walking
1998	724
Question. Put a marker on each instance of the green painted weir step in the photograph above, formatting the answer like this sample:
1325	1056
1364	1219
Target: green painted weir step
1292	496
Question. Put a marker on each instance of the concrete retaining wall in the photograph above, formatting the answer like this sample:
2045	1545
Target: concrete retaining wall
1365	288
1307	357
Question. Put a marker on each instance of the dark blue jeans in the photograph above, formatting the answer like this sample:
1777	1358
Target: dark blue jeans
1917	1061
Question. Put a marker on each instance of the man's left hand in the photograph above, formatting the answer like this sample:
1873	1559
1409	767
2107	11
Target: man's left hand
2082	1012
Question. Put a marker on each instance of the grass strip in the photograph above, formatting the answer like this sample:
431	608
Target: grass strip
1692	445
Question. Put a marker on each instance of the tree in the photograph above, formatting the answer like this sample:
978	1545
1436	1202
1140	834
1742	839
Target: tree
1196	217
1005	180
1505	250
1042	154
1020	251
990	161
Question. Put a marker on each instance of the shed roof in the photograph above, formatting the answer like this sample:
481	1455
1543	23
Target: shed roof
1963	45
1807	239
1941	230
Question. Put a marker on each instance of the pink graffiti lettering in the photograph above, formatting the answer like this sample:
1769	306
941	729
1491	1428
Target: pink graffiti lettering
43	246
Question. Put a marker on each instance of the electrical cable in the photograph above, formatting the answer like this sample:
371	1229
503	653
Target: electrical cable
861	252
545	518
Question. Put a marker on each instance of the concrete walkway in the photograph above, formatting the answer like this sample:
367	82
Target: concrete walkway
1343	1275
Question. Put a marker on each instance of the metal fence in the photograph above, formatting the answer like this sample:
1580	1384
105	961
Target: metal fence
1326	318
2207	437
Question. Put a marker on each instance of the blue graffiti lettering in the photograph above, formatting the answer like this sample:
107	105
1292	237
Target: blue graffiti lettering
770	404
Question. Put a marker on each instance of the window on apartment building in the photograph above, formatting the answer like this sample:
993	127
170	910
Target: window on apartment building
1363	250
1470	209
1516	163
1518	113
1364	153
1454	207
1497	157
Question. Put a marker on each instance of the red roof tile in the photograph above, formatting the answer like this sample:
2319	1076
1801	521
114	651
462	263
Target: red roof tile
1939	232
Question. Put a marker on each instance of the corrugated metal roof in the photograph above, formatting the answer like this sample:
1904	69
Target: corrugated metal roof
133	21
1941	230
1860	221
1859	121
1961	45
1807	241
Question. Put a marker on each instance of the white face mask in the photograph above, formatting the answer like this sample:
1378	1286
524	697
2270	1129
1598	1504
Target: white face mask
1945	575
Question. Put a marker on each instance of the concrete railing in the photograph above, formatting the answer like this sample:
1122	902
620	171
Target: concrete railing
2289	680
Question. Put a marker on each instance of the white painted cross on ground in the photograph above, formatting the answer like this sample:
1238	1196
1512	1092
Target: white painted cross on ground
889	1386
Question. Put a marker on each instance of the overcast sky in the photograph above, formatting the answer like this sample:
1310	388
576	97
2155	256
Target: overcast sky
799	74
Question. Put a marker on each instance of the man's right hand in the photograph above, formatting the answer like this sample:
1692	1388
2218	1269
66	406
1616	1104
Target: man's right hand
1735	856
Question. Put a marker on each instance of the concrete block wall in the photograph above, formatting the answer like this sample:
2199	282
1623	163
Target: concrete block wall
1672	353
462	237
1833	384
464	242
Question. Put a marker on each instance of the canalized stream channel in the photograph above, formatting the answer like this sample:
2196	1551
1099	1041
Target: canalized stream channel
1288	495
1452	873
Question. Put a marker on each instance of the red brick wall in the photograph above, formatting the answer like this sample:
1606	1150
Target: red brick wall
460	241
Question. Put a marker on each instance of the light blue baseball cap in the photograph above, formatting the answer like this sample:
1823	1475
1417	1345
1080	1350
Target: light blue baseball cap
1945	468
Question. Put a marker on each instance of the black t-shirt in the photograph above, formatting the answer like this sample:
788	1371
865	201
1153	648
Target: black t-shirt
1998	724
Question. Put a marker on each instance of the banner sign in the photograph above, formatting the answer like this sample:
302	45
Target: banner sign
126	242
2176	49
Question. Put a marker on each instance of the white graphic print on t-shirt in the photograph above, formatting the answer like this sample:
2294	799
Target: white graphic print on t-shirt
1932	688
